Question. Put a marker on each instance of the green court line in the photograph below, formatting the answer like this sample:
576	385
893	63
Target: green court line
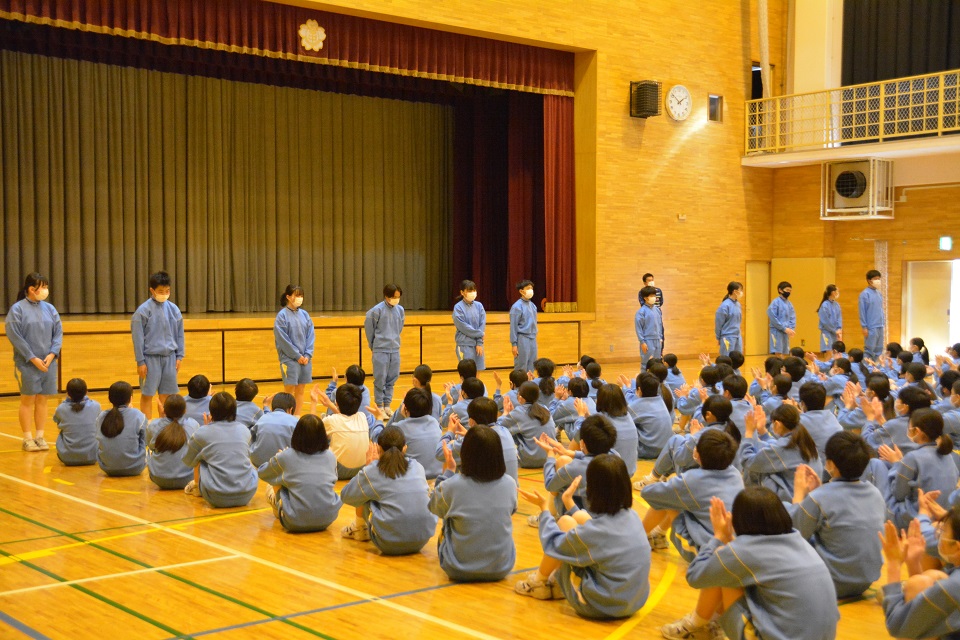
167	574
101	598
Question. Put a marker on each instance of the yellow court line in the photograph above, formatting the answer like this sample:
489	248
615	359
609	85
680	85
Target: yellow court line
63	482
668	575
47	469
136	493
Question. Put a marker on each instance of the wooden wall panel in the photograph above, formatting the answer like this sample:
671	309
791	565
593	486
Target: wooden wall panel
250	354
8	383
100	359
338	348
204	355
439	348
559	341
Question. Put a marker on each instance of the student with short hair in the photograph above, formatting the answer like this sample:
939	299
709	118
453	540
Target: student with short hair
727	320
523	327
355	375
274	430
466	368
771	460
167	438
468	390
648	323
563	409
735	390
120	434
158	345
879	431
612	404
302	478
654	423
349	432
198	398
422	379
871	316
420	429
819	422
248	412
76	418
527	422
470	320
480	411
382	326
516	378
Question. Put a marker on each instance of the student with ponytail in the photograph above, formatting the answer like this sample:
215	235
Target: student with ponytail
120	434
830	318
919	351
167	438
880	431
527	421
294	335
771	460
392	499
77	419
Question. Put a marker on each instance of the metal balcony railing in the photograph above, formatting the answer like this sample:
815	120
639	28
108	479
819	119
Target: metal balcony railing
918	106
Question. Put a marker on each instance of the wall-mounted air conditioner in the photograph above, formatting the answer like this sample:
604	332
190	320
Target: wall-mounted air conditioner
857	190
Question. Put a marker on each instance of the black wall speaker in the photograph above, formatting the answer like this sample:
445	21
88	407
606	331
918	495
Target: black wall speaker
646	98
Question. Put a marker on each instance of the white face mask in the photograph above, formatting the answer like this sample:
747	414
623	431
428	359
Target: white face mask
161	298
527	294
651	300
297	301
875	283
470	296
42	294
649	284
393	301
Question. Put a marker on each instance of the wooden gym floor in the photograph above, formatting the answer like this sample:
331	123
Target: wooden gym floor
84	556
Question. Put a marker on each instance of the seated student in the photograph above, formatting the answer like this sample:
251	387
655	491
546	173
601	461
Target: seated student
819	422
563	409
857	364
772	461
838	350
516	378
247	410
598	560
772	366
736	361
943	390
768	581
544	368
527	421
735	390
480	411
476	507
612	404
302	477
391	496
420	429
677	455
780	388
682	502
836	381
274	430
76	418
120	434
349	432
660	371
354	375
919	351
167	438
841	518
851	416
548	387
928	467
654	423
689	400
675	378
198	398
796	368
466	368
468	390
878	430
220	452
594	381
951	417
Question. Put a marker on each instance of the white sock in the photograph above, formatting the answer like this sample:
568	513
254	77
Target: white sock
541	578
657	531
698	621
359	523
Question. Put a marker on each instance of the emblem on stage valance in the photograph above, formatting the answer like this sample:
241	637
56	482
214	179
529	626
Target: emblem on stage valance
312	35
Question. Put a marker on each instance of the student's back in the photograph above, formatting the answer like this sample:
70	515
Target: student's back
526	429
306	496
125	453
422	435
271	433
222	449
77	440
166	468
248	413
196	407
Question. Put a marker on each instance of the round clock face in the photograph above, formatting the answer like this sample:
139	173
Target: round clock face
678	102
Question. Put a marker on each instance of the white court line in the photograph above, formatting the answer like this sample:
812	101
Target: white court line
108	576
267	563
10	436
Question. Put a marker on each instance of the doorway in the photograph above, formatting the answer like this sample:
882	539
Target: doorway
931	289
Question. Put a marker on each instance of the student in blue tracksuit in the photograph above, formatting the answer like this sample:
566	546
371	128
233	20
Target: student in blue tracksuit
421	379
772	461
675	378
274	430
466	368
248	412
871	316
382	326
612	404
220	454
649	326
167	438
198	398
819	422
842	518
516	378
120	434
599	561
34	330
157	330
830	318
294	335
772	583
302	478
727	320
851	415
879	431
840	373
392	499
76	417
735	390
470	320
654	423
527	422
780	391
523	328
476	508
688	404
480	411
355	375
420	429
783	320
929	467
470	389
563	409
919	350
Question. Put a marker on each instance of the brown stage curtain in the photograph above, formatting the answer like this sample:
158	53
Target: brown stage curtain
559	211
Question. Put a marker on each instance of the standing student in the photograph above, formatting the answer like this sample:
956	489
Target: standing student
523	327
120	434
219	452
34	330
830	319
598	560
871	316
274	430
527	422
167	438
476	506
470	319
382	326
392	499
293	335
302	478
157	330
77	417
727	320
649	326
783	320
648	282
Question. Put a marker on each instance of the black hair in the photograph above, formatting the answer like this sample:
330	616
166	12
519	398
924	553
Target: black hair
481	454
77	392
608	485
390	290
784	285
658	369
904	358
610	400
797	352
392	462
844	365
159	279
482	410
955	388
283	402
291	290
710	377
585	360
467	368
813	395
670	359
783	383
648	291
719	407
530	393
918	372
879	384
472	388
119	395
246	390
468	285
598	434
914	398
800	439
646	277
795	367
736	359
223	406
544	367
947	379
593	374
548	386
648	385
731	287
930	423
873	273
894	349
349	397
826	294
424	374
523	284
773	365
736	386
356	375
758	511
198	387
956	349
849	452
310	435
578	387
419	402
716	449
839	346
855	356
733	431
173	436
32	280
517	377
723	360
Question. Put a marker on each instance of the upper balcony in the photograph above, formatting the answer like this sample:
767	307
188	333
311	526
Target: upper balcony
893	118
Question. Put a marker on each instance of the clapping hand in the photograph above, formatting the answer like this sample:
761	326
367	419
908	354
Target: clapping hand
721	520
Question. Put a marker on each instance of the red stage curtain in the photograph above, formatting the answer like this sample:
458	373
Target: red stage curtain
559	207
